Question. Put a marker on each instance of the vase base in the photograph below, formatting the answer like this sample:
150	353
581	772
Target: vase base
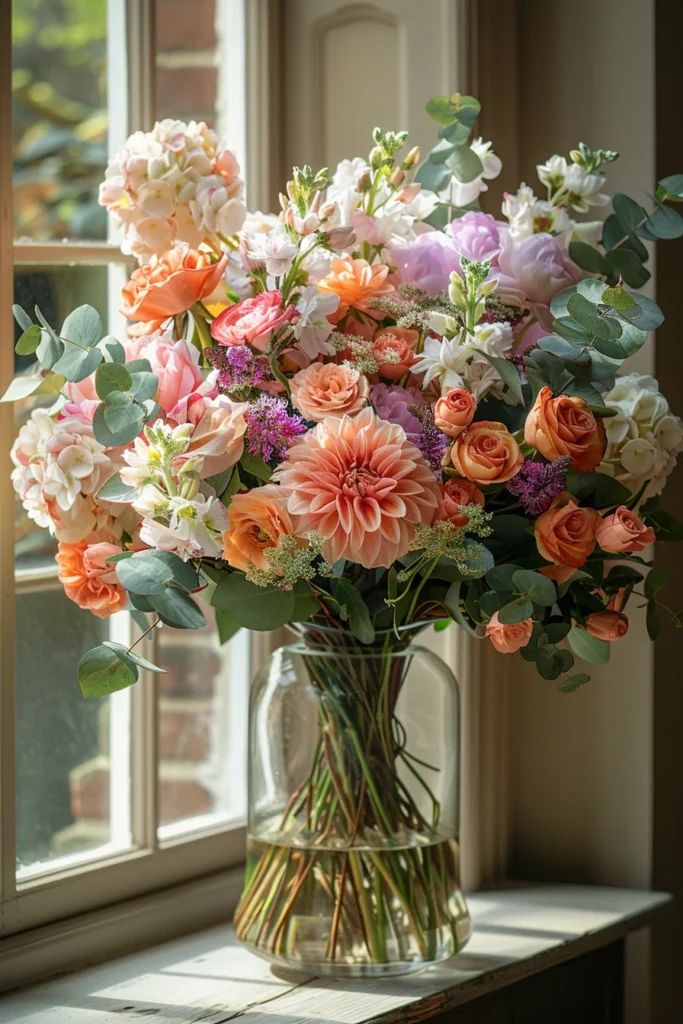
325	969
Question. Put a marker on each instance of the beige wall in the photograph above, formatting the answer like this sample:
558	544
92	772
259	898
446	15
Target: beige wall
582	764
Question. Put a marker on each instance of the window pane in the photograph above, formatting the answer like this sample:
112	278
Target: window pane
57	290
202	727
70	798
60	117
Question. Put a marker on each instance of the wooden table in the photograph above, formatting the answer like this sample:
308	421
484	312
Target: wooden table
551	955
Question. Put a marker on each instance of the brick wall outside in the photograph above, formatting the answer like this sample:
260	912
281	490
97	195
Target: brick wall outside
186	79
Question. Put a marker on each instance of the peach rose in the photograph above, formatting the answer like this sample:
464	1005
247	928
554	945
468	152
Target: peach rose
487	453
508	639
624	531
357	284
394	350
454	495
89	580
176	365
257	520
607	625
252	321
565	426
326	389
565	534
218	428
170	283
454	411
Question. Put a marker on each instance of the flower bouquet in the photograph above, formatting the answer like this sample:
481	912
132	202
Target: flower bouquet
378	410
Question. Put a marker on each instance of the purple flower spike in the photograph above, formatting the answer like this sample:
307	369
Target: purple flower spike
271	428
537	483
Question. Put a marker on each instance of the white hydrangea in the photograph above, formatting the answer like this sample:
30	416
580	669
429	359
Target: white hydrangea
644	438
175	183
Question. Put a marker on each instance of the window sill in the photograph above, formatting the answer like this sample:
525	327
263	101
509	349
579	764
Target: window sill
518	933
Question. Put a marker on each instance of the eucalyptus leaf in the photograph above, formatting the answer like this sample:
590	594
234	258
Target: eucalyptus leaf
22	387
50	349
456	133
143	386
101	672
109	438
77	363
359	619
646	316
132	659
176	608
539	588
82	325
508	373
29	341
433	177
139	366
574	682
22	317
628	212
618	298
588	647
665	222
114	349
656	580
111	377
441	110
114	489
625	263
516	611
588	258
226	626
465	164
258	608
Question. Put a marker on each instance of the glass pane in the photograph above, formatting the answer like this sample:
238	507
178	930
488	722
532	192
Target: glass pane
187	60
60	117
70	803
57	290
202	727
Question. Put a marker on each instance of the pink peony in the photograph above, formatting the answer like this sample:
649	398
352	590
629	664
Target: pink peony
252	321
362	485
475	236
176	364
540	267
218	428
425	263
392	403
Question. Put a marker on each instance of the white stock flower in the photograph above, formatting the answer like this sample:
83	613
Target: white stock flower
194	527
312	329
644	437
445	361
529	215
495	339
553	171
584	188
462	193
275	251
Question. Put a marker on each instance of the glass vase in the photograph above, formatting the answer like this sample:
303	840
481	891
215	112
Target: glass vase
353	857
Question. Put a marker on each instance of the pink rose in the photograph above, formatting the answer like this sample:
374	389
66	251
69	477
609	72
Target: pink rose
508	639
326	389
218	428
394	350
475	236
540	267
176	364
252	321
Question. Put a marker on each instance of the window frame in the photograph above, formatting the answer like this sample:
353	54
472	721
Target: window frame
150	865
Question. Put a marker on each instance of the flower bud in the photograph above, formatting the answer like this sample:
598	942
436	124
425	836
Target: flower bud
363	182
409	192
487	287
576	157
398	177
327	209
284	201
376	157
341	238
412	159
315	202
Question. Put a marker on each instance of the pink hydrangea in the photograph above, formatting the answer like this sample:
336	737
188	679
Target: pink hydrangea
426	262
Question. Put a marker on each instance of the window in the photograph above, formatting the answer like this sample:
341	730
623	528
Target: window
101	800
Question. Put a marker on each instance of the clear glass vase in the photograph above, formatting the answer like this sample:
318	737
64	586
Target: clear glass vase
353	858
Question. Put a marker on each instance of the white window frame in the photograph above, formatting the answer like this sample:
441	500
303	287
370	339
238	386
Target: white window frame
207	859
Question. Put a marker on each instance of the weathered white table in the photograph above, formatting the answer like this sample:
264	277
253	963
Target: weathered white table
531	947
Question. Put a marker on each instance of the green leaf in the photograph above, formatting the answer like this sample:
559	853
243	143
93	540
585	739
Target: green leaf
220	481
467	108
539	588
114	349
359	619
500	577
150	572
656	580
588	647
111	377
29	340
101	672
667	527
434	177
618	298
451	602
77	363
665	223
83	326
139	366
569	330
653	620
590	289
114	489
508	373
574	682
256	466
226	626
107	437
465	164
673	185
625	263
129	658
305	604
564	349
259	608
628	212
604	490
441	110
22	387
516	611
50	348
556	631
489	602
646	315
143	386
22	317
233	486
140	603
456	133
548	666
478	558
176	608
444	148
122	412
586	314
585	256
623	575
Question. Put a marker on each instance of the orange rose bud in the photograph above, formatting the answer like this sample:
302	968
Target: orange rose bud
607	625
565	426
508	639
487	453
454	411
258	519
454	495
565	534
624	531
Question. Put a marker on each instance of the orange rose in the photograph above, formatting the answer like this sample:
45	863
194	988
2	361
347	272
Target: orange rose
565	426
508	639
454	495
357	284
565	534
326	389
170	284
624	531
607	625
257	520
454	411
487	453
89	580
394	350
